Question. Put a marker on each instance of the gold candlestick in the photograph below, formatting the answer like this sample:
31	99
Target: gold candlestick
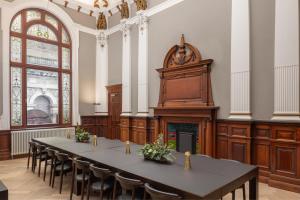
187	160
68	134
127	147
95	140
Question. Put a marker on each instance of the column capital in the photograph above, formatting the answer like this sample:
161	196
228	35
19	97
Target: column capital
102	38
142	21
125	27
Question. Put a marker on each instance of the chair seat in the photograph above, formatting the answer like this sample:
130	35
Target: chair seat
57	162
43	157
96	186
79	177
66	167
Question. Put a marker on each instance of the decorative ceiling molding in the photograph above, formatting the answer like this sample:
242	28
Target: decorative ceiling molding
90	9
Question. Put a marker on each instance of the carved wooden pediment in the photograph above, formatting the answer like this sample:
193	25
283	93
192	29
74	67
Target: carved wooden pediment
185	78
182	54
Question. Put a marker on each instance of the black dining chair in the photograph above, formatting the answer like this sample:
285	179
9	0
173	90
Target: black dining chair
64	167
31	152
104	183
159	195
80	174
52	161
243	186
40	155
134	186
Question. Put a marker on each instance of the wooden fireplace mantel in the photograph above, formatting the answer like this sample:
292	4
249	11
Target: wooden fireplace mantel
186	95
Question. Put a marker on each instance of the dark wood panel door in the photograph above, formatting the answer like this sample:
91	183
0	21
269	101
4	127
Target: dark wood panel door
115	110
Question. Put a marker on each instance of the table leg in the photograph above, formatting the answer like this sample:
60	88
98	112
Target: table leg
253	188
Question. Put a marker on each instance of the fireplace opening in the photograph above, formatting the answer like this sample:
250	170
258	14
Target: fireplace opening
183	137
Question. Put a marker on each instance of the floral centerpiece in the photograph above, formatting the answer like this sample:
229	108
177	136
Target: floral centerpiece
81	135
158	151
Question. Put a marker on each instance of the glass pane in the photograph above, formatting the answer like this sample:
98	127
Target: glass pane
65	37
16	49
66	89
33	15
41	31
65	58
16	25
42	97
16	96
43	54
51	21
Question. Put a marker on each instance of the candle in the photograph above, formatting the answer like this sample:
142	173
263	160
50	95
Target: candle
127	146
187	160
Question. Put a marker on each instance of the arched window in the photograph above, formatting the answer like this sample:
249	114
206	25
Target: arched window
41	70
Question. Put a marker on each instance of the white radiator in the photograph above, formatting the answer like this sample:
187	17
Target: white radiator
20	139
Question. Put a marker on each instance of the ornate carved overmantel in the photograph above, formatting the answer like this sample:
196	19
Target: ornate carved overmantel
186	94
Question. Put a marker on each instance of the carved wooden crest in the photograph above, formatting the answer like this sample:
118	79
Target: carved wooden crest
101	23
185	78
124	10
182	54
141	4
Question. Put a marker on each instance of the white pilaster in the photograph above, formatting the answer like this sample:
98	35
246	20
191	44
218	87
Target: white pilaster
143	108
126	69
101	107
240	60
286	69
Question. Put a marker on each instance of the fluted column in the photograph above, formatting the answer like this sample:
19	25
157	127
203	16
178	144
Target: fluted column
126	69
286	64
240	60
143	108
101	107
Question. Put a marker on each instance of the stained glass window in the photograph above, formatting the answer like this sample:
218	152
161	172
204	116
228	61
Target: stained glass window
51	21
41	31
42	106
43	54
16	26
46	69
65	37
32	15
66	89
16	96
65	58
15	49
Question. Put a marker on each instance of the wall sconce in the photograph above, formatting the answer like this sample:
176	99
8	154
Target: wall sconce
97	107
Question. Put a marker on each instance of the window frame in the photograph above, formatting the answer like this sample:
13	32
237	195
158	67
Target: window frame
24	66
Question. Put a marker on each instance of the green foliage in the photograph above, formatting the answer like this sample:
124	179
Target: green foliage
81	135
158	151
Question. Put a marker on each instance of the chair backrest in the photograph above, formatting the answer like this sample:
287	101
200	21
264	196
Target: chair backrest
61	156
82	165
40	147
128	183
101	173
160	195
51	152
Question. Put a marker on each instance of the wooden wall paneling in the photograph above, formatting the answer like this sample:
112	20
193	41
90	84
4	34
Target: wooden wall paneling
125	128
95	124
5	147
261	155
222	141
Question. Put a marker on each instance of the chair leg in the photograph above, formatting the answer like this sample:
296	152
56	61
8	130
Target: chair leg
51	172
61	177
32	161
233	195
244	192
53	175
45	170
72	183
40	163
88	186
115	190
82	185
28	160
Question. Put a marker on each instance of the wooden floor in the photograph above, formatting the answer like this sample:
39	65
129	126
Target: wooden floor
23	185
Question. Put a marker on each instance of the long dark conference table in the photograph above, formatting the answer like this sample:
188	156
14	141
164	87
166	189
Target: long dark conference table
208	178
